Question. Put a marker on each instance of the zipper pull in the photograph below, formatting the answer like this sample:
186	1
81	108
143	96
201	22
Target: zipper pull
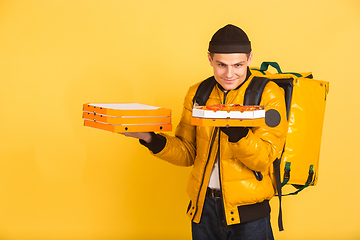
258	176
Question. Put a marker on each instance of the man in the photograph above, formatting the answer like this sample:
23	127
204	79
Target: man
232	178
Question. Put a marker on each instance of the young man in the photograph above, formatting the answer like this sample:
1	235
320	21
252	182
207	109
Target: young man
232	178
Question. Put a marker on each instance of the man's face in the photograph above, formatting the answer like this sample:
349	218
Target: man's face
230	69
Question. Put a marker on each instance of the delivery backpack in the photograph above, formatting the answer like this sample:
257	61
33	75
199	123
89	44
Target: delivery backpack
305	100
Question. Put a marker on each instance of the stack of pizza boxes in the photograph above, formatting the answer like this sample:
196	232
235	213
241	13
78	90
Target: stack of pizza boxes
126	117
205	116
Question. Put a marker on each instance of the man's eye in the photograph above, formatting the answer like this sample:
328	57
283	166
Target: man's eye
221	65
238	65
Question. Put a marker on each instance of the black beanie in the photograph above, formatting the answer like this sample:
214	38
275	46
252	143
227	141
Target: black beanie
230	39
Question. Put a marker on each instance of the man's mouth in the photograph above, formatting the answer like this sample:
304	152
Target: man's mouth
229	80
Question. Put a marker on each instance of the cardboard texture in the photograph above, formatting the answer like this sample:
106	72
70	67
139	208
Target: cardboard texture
218	122
126	117
201	113
201	117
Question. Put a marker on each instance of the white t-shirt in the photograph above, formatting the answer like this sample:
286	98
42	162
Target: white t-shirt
214	182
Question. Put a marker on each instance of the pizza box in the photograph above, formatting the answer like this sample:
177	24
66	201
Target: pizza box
199	112
228	122
219	118
126	117
121	128
126	109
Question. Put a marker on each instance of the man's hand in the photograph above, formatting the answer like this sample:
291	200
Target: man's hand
146	136
235	133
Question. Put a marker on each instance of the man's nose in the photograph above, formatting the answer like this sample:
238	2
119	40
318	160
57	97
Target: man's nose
229	72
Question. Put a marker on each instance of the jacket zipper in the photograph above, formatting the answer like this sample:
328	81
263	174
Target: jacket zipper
217	129
225	94
207	162
222	197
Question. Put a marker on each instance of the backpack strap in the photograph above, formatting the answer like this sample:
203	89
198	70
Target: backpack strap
203	91
253	96
254	91
276	165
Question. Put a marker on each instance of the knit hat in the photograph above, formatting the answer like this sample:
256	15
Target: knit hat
230	39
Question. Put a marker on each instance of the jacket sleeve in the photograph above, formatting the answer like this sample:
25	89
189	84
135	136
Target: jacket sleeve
263	144
181	148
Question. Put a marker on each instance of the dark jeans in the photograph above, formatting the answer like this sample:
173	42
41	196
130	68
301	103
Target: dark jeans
213	225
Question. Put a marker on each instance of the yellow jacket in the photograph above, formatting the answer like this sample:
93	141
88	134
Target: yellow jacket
198	147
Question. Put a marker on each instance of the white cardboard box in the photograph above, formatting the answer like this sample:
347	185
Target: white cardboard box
201	113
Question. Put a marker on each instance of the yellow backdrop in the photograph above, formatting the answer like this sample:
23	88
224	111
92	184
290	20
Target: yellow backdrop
60	180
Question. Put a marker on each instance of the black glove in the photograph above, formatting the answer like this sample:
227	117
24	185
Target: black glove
235	133
157	143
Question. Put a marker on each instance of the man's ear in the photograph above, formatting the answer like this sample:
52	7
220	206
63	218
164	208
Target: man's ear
210	59
250	58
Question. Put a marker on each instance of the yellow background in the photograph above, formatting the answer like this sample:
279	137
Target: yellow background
60	180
